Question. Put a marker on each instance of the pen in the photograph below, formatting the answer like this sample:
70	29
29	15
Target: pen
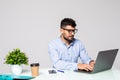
60	71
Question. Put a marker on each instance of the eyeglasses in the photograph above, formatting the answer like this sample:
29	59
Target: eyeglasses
71	30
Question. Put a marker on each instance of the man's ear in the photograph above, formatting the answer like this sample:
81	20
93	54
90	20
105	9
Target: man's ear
61	31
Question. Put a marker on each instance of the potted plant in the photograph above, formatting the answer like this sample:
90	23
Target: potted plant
16	58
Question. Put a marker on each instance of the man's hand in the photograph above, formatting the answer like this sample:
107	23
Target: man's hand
86	67
92	63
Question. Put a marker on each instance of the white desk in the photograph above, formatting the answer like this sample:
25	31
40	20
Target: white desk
112	74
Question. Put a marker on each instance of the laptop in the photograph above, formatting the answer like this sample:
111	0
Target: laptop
104	61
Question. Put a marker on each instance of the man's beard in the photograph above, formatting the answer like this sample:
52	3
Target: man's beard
68	40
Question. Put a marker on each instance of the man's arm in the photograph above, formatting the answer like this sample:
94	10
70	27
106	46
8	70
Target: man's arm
56	59
87	64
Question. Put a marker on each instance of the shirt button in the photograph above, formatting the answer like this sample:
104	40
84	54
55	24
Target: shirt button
68	53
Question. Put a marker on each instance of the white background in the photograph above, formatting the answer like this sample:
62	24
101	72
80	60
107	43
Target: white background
31	24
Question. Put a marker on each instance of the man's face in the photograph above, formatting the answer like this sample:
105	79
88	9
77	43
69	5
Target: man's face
68	33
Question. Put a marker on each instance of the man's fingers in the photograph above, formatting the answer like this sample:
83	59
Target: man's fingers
89	68
86	67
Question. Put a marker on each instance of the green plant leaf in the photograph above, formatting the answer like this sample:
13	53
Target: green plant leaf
16	57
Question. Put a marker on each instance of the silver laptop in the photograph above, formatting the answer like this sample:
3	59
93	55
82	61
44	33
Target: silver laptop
104	61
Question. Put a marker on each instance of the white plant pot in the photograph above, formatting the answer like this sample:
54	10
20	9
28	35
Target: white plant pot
16	69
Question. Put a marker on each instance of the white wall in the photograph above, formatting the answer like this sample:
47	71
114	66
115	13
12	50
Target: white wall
31	24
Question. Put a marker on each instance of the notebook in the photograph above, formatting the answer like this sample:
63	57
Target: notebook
14	77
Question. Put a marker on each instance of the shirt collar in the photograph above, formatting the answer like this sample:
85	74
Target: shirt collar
71	44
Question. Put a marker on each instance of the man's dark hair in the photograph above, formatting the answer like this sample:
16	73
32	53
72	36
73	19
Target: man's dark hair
67	21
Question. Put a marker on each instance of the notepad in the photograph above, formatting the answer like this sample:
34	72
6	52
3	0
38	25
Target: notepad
22	77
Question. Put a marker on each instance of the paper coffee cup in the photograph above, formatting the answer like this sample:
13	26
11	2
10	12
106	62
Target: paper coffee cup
34	69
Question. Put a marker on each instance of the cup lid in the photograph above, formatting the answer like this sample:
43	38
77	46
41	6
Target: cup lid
34	64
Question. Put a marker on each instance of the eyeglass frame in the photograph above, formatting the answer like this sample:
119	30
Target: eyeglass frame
71	30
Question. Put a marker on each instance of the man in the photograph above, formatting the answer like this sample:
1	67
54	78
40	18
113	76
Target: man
65	51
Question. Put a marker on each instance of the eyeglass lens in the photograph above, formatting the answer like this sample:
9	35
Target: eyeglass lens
70	30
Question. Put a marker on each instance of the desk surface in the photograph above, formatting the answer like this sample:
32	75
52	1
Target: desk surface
112	74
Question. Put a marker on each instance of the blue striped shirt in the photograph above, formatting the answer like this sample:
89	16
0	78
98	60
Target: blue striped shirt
66	57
